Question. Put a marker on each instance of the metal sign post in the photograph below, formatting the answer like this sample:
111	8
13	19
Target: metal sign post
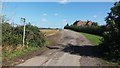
23	20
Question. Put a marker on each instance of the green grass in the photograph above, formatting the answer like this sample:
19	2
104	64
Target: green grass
94	39
15	54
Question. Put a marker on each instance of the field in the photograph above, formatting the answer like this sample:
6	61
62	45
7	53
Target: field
94	39
49	32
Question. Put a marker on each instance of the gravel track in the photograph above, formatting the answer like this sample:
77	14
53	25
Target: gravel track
74	50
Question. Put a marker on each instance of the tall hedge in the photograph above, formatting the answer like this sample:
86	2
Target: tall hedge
14	35
97	30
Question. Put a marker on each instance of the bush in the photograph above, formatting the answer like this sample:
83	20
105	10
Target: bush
12	40
97	30
13	35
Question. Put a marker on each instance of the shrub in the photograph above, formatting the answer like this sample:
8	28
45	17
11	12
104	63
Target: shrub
97	30
13	35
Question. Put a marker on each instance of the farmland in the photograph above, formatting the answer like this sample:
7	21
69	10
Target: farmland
49	32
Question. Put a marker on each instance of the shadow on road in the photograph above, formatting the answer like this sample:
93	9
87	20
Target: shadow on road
85	50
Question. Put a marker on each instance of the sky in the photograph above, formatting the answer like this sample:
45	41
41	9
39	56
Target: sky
56	14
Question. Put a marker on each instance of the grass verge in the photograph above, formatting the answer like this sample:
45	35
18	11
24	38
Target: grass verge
94	39
11	56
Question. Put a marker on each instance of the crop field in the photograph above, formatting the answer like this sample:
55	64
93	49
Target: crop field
49	32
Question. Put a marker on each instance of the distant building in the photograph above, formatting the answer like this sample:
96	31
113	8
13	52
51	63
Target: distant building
82	23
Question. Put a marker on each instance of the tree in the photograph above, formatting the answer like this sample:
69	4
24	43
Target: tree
112	35
67	25
94	24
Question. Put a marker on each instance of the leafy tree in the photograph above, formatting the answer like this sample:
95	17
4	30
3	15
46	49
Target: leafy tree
112	35
66	26
94	24
93	29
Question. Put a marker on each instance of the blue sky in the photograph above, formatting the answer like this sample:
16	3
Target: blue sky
54	14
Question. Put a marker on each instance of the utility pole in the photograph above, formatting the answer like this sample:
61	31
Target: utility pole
23	21
1	9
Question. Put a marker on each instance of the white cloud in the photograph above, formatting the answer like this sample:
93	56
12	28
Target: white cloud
45	14
43	20
63	1
94	16
56	14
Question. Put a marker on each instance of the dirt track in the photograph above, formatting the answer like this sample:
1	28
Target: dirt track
73	50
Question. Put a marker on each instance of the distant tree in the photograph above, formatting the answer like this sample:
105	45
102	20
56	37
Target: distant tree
94	24
66	26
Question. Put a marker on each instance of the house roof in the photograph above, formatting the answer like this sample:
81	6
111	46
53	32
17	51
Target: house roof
82	23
